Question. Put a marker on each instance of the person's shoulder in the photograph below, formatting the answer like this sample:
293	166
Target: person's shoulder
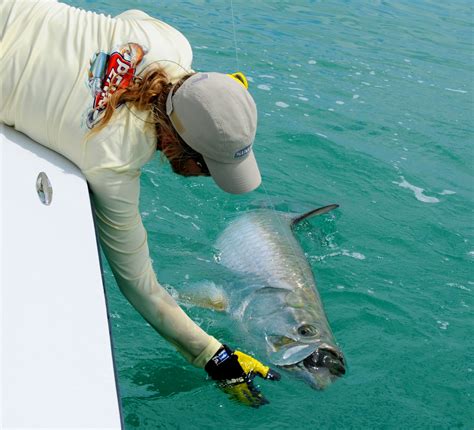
134	14
149	24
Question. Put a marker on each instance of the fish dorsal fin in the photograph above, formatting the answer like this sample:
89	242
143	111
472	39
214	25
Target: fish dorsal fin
314	212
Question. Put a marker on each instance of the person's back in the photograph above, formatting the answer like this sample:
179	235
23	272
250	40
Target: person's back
60	64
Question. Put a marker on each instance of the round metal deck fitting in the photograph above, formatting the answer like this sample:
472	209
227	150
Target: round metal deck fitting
44	189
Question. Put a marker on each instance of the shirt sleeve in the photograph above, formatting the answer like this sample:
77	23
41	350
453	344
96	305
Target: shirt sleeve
124	241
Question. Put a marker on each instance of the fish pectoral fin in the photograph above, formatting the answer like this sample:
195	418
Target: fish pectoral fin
205	295
277	342
319	211
292	353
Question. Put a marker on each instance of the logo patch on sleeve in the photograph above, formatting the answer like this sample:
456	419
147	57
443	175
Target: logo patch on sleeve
109	72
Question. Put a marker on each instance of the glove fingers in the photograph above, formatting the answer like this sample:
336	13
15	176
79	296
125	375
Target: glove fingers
273	375
252	366
246	393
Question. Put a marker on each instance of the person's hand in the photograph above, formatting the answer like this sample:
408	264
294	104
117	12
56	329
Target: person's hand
234	371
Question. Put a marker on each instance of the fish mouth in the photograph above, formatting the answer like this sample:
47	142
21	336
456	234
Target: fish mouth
320	368
328	357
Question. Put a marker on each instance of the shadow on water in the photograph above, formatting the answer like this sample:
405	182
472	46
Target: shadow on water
152	380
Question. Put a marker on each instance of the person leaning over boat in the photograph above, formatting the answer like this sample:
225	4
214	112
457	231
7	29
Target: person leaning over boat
107	93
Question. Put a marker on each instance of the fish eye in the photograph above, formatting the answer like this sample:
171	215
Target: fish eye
307	330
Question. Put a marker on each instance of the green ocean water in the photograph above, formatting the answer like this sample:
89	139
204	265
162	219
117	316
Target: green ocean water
368	104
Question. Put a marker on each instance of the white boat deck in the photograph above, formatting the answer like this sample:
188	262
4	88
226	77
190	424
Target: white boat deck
56	357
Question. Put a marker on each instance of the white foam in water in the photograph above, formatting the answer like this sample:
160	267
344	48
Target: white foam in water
303	98
417	190
443	325
345	253
266	76
356	255
355	96
459	286
182	215
311	62
264	87
282	104
323	135
339	102
456	91
447	192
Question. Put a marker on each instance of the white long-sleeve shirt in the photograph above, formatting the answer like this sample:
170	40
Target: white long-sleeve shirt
57	65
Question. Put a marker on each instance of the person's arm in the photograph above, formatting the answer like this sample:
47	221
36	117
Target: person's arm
124	241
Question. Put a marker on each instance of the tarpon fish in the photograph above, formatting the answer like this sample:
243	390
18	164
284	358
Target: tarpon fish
278	302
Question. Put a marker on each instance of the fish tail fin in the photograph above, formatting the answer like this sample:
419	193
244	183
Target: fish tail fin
314	212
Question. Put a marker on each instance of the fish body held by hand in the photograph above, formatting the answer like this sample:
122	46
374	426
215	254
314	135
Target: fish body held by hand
279	303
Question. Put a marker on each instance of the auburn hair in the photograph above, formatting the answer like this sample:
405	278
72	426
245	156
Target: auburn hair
149	92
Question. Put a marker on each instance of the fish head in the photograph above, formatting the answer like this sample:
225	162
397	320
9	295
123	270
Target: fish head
317	363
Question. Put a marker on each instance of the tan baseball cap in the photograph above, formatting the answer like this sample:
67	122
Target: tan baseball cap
217	117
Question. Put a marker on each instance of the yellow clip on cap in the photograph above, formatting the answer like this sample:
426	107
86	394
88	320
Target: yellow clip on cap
240	78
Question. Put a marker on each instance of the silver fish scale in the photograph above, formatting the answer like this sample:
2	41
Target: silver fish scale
264	246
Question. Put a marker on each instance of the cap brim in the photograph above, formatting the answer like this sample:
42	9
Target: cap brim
236	178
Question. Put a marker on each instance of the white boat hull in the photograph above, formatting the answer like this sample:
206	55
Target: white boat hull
56	356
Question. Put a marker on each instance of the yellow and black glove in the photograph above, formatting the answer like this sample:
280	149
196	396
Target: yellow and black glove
235	372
